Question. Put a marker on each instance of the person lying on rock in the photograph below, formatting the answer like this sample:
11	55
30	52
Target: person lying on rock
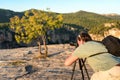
105	65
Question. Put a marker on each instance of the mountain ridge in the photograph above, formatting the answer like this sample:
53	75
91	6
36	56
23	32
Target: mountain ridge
5	14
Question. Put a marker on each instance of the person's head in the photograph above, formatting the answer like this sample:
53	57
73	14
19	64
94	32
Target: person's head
83	36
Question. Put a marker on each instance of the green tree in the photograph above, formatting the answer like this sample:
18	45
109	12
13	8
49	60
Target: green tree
35	24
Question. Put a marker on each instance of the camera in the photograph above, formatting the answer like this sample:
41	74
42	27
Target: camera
73	44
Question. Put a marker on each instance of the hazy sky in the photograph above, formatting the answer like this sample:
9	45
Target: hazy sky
64	6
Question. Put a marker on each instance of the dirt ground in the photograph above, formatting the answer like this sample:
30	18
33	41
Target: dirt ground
20	64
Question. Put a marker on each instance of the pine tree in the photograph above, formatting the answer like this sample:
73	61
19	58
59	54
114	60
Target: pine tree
34	25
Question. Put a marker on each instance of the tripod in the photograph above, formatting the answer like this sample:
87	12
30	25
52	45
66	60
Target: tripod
81	65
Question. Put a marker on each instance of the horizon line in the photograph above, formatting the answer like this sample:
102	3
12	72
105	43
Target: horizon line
63	12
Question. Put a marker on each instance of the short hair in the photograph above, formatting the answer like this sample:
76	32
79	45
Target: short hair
84	36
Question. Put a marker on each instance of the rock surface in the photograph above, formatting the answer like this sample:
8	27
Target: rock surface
20	64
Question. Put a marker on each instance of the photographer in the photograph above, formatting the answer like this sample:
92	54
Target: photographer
105	65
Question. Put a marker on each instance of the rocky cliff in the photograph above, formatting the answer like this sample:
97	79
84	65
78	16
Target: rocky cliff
114	32
7	38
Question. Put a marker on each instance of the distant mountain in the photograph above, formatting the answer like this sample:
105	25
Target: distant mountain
80	19
87	19
5	15
74	18
113	15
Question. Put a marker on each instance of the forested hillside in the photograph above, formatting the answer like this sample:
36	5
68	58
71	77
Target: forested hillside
85	19
5	15
81	18
91	21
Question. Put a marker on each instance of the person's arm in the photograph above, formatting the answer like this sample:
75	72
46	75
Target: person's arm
71	59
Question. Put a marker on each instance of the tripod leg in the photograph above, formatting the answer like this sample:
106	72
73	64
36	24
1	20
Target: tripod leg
73	70
80	65
85	69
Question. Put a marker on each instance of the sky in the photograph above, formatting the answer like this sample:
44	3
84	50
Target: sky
63	6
